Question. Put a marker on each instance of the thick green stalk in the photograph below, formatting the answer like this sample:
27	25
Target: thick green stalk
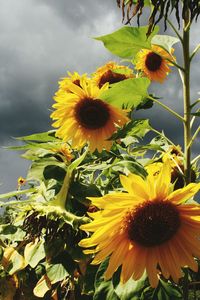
187	117
186	96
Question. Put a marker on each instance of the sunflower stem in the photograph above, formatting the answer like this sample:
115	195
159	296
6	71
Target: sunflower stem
186	96
167	108
187	116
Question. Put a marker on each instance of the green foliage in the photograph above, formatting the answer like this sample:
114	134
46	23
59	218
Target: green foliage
165	41
164	291
127	41
129	92
34	252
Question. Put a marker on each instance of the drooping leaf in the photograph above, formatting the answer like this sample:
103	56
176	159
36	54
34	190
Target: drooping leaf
127	41
56	272
12	261
42	286
11	232
34	252
129	92
165	41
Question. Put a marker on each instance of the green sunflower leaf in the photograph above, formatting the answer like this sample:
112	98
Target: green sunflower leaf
131	289
127	41
129	92
56	272
40	137
135	128
34	252
104	289
165	41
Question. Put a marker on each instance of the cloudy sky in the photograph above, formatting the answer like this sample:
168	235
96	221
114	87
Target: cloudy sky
40	40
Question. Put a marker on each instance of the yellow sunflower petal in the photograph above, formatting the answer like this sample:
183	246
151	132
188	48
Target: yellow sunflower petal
181	195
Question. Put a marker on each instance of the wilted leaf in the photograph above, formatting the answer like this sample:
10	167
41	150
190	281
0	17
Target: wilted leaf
12	261
42	286
34	252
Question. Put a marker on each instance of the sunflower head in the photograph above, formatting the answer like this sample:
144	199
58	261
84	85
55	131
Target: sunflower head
64	150
83	118
148	227
74	78
153	63
21	181
111	73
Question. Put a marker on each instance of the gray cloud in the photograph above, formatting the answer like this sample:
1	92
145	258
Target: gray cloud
39	42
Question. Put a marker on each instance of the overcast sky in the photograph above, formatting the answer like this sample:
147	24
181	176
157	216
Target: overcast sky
40	40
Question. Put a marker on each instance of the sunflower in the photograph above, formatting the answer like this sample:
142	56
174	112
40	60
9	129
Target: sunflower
175	155
82	117
21	181
154	63
67	81
148	228
111	73
64	150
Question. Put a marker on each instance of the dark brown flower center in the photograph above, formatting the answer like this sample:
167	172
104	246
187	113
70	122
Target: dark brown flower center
111	77
92	113
153	61
152	223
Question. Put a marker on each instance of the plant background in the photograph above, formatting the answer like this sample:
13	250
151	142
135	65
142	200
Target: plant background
40	40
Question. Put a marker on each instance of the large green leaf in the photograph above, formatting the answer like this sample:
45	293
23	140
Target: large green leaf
36	171
165	41
127	41
34	252
56	272
104	290
129	92
164	291
131	289
136	128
